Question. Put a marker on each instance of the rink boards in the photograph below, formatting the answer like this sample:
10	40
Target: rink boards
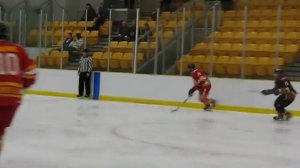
231	94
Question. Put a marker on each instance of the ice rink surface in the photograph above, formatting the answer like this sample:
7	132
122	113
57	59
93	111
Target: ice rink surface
51	132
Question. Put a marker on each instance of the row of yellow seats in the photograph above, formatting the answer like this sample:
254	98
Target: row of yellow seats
260	14
171	16
255	37
70	24
261	26
117	60
232	65
164	35
104	29
261	23
125	46
34	33
270	4
54	58
289	52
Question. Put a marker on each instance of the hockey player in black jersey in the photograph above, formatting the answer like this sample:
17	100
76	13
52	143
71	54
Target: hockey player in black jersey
286	92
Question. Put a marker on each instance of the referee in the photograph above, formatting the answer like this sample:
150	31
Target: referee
84	72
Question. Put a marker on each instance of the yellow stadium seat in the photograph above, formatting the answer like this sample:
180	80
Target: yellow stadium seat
92	37
275	62
129	47
251	37
217	37
152	24
229	15
172	25
251	50
290	14
142	24
55	58
223	49
198	60
96	59
208	62
249	65
168	35
140	59
183	63
276	48
234	66
276	35
252	25
104	60
126	61
220	65
268	14
121	47
236	49
290	25
104	30
71	24
43	59
199	49
113	46
143	45
263	37
290	52
260	67
238	37
228	24
265	50
290	38
226	37
264	25
253	14
115	60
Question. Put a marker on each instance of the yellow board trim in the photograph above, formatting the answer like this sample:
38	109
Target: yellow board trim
164	102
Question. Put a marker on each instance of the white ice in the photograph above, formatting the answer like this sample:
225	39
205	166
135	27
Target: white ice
51	132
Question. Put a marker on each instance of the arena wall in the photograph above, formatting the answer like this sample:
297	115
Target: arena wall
231	94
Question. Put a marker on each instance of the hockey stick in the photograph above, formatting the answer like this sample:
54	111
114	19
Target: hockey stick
178	107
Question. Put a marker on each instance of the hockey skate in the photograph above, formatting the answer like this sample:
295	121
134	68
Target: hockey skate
278	118
283	117
208	107
287	115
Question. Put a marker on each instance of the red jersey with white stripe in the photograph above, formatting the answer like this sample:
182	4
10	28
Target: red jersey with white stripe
17	71
200	78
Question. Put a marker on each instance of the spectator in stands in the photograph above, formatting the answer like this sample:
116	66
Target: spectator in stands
103	13
90	11
74	44
124	31
77	44
147	30
68	41
98	21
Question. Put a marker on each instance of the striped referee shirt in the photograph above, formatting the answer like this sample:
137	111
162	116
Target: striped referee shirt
85	64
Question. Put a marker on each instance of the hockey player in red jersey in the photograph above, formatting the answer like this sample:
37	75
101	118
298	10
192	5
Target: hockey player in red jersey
17	72
203	85
286	92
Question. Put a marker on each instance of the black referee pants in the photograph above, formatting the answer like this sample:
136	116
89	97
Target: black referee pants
84	80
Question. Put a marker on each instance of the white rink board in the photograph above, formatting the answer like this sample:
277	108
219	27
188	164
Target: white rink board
232	92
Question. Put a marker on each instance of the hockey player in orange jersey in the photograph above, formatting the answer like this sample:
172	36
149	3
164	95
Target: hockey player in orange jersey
17	72
203	85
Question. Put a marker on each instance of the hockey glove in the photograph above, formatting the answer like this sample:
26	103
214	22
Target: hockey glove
266	92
